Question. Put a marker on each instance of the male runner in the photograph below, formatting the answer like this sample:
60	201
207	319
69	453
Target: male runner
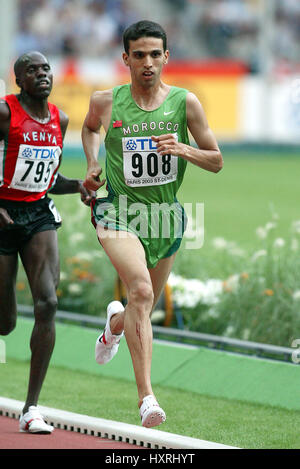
31	142
147	150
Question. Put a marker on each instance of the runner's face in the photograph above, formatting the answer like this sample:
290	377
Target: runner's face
145	59
36	77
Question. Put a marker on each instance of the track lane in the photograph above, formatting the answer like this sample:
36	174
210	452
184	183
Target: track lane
11	438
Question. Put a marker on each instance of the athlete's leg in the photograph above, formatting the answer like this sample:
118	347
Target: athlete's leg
8	305
127	255
41	262
160	274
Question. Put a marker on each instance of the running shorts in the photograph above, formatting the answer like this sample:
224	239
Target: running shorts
159	227
29	218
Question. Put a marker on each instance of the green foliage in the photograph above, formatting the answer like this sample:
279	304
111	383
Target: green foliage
259	300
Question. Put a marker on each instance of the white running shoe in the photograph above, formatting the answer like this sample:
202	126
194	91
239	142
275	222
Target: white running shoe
33	422
107	343
150	412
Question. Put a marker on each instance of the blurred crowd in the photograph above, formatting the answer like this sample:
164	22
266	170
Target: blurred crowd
73	27
197	29
233	29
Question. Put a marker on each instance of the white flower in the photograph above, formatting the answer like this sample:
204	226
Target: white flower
231	247
279	243
229	331
174	279
246	334
296	295
63	276
270	225
219	243
75	288
296	226
258	254
99	254
211	291
190	292
158	316
84	256
76	237
261	232
213	313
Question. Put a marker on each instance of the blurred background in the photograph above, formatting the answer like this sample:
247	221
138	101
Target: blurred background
241	57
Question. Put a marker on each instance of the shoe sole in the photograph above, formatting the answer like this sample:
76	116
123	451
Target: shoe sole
38	432
154	419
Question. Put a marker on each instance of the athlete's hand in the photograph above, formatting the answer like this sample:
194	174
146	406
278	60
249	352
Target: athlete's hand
92	181
167	144
5	219
85	194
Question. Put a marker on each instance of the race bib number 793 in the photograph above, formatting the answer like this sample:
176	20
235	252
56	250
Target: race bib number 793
142	165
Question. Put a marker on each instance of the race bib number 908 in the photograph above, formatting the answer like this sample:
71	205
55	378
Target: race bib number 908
142	165
35	167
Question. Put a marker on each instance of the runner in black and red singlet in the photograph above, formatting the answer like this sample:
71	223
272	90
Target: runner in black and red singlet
31	141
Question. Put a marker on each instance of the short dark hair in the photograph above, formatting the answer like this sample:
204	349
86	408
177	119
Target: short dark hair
144	28
23	60
19	64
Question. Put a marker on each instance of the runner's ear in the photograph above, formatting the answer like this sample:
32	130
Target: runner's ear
125	58
166	56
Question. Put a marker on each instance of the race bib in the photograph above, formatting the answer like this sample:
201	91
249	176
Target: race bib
35	167
142	165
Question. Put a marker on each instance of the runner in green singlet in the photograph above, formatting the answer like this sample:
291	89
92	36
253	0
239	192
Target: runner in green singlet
139	174
140	223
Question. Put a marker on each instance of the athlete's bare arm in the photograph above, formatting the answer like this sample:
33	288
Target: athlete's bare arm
5	219
99	114
64	185
207	155
4	119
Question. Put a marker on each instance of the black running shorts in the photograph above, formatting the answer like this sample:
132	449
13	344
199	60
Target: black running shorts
29	218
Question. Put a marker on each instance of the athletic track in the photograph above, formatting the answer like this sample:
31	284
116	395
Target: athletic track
11	438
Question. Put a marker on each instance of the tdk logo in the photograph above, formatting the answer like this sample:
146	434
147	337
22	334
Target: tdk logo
131	145
27	153
138	144
40	153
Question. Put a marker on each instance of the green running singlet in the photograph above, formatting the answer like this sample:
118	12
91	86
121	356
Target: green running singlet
142	184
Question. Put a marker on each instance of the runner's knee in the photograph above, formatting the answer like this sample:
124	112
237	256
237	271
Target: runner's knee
45	309
141	294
